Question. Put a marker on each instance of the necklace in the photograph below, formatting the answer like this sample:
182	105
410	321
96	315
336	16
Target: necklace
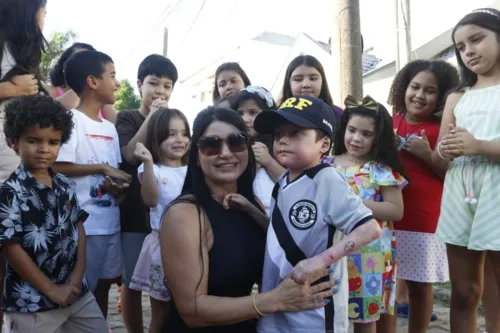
353	160
221	198
407	134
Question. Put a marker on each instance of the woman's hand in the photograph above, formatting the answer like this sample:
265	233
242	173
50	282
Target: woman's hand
291	296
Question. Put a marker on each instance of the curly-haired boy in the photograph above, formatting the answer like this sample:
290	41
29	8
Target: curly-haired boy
41	227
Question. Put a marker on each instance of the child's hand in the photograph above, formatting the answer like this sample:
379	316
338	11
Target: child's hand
118	174
459	142
27	84
398	141
261	153
63	294
308	271
235	200
419	146
157	104
115	189
142	153
75	280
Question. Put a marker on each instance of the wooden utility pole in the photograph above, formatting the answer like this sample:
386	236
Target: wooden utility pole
346	49
165	42
403	40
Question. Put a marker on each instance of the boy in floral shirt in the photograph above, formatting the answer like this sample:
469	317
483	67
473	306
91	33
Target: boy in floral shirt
41	228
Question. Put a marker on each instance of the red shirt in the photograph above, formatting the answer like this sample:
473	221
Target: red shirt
422	196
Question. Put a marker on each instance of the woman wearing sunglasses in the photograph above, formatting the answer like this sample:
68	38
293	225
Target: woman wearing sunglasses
213	237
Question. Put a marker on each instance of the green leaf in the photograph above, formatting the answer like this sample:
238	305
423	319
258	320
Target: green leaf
126	99
57	43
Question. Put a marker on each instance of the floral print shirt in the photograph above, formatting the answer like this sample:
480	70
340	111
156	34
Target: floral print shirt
43	221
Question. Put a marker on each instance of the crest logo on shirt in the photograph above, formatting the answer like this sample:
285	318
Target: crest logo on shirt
303	214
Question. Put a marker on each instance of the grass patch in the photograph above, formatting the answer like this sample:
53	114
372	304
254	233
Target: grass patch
446	285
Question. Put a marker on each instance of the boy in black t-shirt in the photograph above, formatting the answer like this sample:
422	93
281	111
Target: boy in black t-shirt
156	78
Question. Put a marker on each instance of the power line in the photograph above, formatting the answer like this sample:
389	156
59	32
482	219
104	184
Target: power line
192	24
168	10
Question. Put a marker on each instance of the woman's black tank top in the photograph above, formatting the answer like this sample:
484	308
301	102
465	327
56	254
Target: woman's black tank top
236	263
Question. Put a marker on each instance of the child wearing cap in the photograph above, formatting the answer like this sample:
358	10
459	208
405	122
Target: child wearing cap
312	208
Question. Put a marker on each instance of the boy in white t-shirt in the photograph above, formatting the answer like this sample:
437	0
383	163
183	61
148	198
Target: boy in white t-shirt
91	158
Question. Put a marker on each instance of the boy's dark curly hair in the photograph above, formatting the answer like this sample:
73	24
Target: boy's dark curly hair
38	110
446	76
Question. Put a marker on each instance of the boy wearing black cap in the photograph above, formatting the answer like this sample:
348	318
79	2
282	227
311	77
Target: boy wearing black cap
312	208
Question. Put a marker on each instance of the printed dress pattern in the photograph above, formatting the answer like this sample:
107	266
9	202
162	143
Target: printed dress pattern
372	270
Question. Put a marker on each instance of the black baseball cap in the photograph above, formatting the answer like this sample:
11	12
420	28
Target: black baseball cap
302	111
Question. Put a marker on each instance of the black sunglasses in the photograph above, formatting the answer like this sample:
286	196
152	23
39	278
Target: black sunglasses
212	145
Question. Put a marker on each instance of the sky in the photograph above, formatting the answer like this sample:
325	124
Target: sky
201	30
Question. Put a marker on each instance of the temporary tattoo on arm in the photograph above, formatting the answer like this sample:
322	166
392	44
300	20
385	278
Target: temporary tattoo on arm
349	246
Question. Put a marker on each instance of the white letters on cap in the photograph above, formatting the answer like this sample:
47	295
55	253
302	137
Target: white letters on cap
327	123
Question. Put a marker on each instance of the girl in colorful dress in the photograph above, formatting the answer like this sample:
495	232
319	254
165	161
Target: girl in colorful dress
418	94
249	102
161	175
305	76
366	154
470	138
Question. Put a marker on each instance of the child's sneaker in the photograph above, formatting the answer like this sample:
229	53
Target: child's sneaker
403	311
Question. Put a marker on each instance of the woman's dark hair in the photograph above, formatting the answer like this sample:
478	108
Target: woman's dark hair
159	130
384	148
487	18
56	74
229	66
308	61
265	104
20	32
446	77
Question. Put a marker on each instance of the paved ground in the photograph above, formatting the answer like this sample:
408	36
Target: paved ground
441	307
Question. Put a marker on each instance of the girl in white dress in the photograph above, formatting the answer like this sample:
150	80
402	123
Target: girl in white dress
470	136
162	176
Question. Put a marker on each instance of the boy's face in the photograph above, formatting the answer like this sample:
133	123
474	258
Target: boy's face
154	87
38	147
108	84
298	149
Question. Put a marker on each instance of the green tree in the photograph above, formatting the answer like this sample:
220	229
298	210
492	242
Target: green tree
56	45
126	99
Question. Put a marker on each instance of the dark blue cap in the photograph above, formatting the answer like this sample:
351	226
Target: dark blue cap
302	111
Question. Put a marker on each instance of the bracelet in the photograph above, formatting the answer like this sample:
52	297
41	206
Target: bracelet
255	306
439	152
